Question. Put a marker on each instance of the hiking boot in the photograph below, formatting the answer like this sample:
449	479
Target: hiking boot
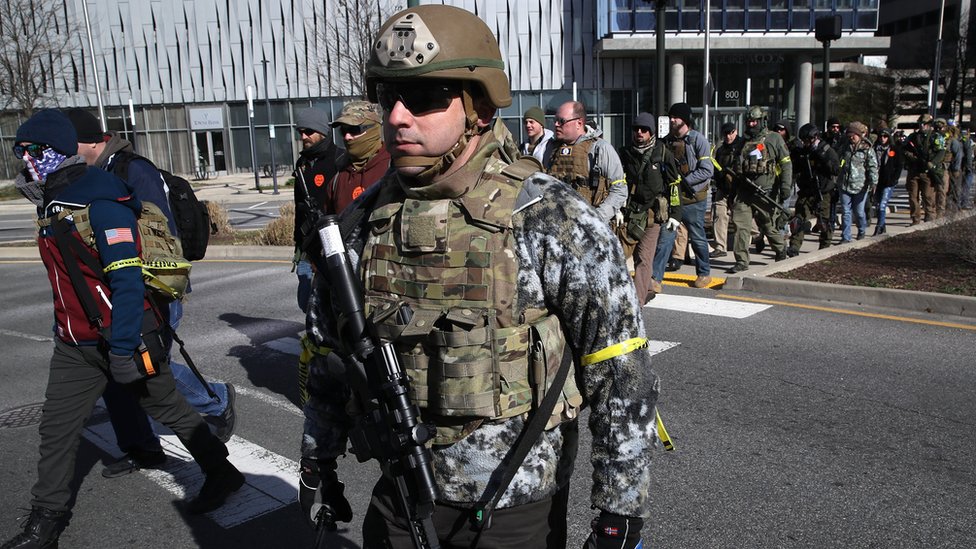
780	256
133	461
760	243
656	287
217	487
702	281
651	294
674	264
42	529
717	254
223	425
792	252
738	268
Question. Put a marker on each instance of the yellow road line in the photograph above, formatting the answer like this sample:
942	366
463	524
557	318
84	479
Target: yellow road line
850	312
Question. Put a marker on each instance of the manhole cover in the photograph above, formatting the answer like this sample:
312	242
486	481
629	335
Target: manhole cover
24	416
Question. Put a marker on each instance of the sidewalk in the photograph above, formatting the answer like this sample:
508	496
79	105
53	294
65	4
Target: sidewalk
757	278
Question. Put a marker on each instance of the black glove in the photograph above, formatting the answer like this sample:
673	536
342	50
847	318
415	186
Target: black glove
320	495
123	368
612	531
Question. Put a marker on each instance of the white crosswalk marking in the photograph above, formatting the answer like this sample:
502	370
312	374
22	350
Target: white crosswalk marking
272	480
705	306
287	345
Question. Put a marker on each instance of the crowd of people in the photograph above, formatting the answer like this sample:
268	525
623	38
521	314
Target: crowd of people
842	177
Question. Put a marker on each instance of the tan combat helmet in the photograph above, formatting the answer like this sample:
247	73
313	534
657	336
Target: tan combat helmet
756	112
440	42
437	42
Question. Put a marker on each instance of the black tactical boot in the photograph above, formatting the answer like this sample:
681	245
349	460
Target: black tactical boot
41	531
217	487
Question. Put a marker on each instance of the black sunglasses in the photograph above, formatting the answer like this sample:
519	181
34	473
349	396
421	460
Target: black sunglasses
417	96
36	150
354	130
305	131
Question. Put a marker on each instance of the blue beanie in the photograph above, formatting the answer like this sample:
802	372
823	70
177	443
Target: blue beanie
50	127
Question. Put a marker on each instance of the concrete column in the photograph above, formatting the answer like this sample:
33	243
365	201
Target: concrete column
676	79
804	90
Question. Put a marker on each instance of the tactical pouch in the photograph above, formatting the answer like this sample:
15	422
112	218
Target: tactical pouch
637	224
660	208
151	355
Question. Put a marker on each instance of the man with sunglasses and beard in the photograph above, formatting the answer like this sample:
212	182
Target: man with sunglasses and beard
90	246
316	166
494	270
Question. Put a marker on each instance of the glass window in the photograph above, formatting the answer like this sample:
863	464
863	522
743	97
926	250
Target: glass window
867	20
735	4
691	21
823	4
801	20
757	21
645	21
735	21
800	4
779	20
622	22
757	4
870	4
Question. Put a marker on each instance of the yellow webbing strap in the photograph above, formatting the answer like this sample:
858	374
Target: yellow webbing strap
785	159
615	350
123	263
150	280
619	181
662	433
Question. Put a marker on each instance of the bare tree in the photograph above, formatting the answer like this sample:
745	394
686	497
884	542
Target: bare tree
343	43
866	95
35	37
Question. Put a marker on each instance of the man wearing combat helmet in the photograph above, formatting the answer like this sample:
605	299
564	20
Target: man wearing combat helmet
516	265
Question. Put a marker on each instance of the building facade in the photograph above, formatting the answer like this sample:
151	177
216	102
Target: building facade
186	66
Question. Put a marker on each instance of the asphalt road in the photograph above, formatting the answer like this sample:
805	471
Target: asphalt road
795	426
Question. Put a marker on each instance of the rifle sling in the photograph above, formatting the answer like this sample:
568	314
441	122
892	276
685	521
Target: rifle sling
529	435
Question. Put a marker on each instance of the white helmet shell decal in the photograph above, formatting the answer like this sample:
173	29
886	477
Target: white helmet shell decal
406	43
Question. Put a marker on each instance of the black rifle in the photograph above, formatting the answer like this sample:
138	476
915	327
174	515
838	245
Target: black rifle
312	218
388	429
762	201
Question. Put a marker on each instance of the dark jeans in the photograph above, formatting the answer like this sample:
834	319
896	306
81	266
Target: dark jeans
521	527
78	376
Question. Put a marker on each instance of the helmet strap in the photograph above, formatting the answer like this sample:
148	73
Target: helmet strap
437	165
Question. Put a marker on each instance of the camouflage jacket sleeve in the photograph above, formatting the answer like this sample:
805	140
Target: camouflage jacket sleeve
572	264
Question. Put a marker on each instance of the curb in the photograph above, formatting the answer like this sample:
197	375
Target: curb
924	302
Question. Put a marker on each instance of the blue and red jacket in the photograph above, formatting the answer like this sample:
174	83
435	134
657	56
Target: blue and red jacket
112	215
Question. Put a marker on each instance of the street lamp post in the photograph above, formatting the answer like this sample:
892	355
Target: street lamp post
250	131
271	130
933	108
827	29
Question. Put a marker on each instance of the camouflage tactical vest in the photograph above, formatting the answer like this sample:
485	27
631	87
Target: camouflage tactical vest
756	158
452	262
571	164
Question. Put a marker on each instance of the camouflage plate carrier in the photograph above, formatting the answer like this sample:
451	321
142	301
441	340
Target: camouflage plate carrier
452	262
571	164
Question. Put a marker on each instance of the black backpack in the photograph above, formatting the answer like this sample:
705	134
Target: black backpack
190	215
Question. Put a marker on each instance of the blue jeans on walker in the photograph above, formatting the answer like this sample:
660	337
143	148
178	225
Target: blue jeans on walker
693	216
304	272
884	195
665	244
853	204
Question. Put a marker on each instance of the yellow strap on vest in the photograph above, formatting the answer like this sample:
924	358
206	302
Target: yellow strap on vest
615	350
617	182
122	264
662	433
784	160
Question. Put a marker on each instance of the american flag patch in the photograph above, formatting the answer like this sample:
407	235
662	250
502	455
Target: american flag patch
117	236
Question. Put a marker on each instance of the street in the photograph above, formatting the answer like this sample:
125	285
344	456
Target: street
796	424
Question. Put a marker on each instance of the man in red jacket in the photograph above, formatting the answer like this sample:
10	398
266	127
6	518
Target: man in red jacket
365	161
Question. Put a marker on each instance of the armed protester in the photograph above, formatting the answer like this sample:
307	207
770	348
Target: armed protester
815	167
924	152
464	260
766	181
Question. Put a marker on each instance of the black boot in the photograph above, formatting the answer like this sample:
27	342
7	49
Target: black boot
219	484
41	531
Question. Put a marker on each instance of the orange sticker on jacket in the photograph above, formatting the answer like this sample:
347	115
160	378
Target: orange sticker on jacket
356	192
760	147
319	180
891	153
